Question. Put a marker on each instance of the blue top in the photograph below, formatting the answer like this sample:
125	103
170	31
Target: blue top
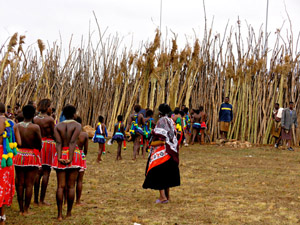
225	114
62	117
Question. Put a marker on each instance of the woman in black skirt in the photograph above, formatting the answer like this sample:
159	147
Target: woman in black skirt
162	170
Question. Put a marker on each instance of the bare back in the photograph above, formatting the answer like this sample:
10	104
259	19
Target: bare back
46	124
197	118
30	135
82	141
203	116
116	128
67	133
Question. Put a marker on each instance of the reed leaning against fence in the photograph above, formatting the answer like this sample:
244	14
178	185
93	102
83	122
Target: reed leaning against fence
99	81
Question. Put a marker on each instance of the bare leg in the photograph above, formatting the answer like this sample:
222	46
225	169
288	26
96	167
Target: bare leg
167	192
2	214
100	152
162	195
289	143
65	195
144	147
20	184
198	137
45	180
79	187
202	136
119	150
61	183
222	135
37	186
30	175
194	135
72	175
136	146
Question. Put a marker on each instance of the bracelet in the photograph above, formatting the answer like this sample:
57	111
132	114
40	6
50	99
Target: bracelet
3	218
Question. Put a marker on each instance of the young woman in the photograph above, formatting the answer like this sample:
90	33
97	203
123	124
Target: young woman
162	170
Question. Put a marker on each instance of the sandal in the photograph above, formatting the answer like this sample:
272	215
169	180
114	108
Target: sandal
161	202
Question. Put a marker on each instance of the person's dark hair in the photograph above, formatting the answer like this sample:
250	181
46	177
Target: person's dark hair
201	108
277	104
186	110
197	111
120	118
164	109
18	105
176	111
19	117
149	113
101	119
30	103
53	110
137	108
8	107
69	111
43	105
2	108
181	113
28	111
78	119
291	102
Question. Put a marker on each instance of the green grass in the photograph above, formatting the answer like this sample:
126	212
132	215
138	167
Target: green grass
220	185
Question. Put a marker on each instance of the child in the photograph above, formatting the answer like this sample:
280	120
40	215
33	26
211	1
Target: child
99	137
119	135
83	145
27	161
149	125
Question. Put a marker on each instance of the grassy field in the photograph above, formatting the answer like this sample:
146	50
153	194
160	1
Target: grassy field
219	186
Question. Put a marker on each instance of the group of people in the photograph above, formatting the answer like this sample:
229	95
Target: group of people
189	125
284	119
32	145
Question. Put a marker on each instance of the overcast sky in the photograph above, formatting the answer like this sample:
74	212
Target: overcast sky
137	19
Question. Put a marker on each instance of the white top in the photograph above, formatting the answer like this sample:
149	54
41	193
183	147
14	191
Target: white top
279	114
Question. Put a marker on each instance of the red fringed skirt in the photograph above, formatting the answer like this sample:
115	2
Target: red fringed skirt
77	161
48	151
7	183
27	157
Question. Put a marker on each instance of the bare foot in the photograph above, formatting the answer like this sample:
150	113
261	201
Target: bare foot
28	213
59	218
79	203
36	204
44	204
21	213
68	214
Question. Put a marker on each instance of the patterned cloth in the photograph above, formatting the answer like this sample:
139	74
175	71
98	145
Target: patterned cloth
118	137
162	167
196	126
28	157
76	161
7	183
83	164
48	151
158	155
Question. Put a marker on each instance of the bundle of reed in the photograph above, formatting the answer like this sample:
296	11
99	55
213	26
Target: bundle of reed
99	81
